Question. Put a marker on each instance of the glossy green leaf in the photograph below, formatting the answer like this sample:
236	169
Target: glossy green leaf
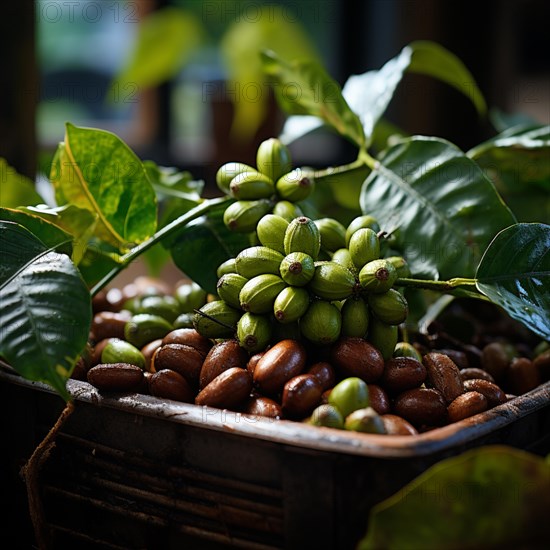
203	245
344	183
434	60
518	161
98	260
177	192
96	171
314	93
277	29
493	497
446	209
46	309
369	94
78	222
515	274
522	152
50	234
170	182
16	189
165	41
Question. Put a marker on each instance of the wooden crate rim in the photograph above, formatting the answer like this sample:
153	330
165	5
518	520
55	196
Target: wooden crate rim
296	434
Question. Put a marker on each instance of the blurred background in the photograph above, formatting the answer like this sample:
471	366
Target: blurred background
184	101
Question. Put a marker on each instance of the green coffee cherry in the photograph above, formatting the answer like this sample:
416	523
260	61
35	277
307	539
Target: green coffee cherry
242	216
343	257
190	296
251	185
290	304
227	172
302	235
165	306
390	307
383	337
332	281
287	210
229	287
184	320
120	351
321	323
364	246
295	186
271	232
360	222
377	276
328	416
218	320
404	349
258	260
229	266
333	234
365	420
355	317
259	293
401	265
351	394
144	328
297	269
273	158
253	332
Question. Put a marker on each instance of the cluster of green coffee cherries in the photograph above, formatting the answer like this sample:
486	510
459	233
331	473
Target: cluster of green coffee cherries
272	187
280	289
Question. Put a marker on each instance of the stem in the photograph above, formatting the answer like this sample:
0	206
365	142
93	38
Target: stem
178	223
442	286
367	159
334	170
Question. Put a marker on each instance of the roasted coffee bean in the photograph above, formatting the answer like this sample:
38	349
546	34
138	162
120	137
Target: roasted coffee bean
494	395
169	384
466	405
443	375
189	337
228	390
356	357
185	360
395	425
421	407
301	394
222	356
473	373
495	359
324	373
148	350
115	377
379	399
109	324
279	364
542	365
263	406
522	376
81	369
402	373
459	358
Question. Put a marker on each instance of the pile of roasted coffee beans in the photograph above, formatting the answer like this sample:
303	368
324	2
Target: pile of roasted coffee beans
143	340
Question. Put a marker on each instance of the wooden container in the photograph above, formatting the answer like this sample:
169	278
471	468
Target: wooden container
133	472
